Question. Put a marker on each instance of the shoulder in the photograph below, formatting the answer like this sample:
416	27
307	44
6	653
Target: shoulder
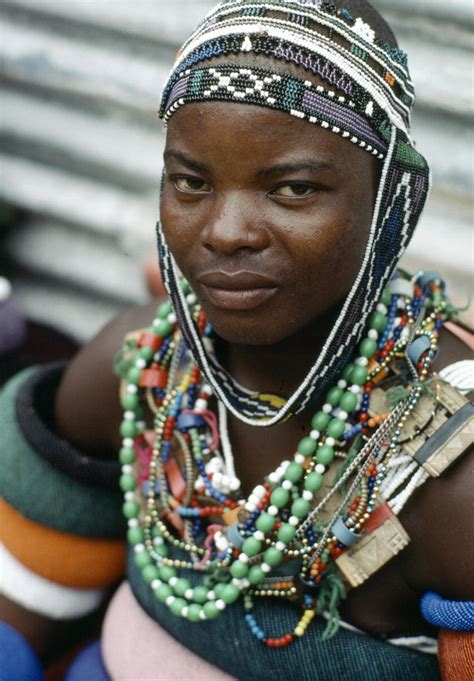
87	407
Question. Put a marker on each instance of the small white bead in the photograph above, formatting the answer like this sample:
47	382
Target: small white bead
158	541
382	308
280	545
250	507
287	484
217	478
171	318
225	480
139	548
140	363
330	441
274	477
373	334
272	510
258	534
201	405
126	468
206	389
133	522
173	581
128	442
202	615
299	458
188	594
327	408
307	495
320	468
315	434
129	496
244	558
220	605
260	491
265	567
342	384
355	389
362	361
170	600
253	499
133	389
156	583
293	520
191	299
234	484
184	611
343	415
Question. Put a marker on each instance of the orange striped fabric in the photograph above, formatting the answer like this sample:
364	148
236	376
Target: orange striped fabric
61	557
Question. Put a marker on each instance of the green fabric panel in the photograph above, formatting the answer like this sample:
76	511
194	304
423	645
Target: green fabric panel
42	493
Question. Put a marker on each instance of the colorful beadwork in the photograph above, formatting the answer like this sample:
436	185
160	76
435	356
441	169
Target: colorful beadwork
183	500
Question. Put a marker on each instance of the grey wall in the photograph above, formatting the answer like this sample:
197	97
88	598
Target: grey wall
80	144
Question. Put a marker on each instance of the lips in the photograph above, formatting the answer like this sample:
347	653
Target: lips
239	290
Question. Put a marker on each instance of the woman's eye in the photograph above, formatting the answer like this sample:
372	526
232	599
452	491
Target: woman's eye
294	190
191	185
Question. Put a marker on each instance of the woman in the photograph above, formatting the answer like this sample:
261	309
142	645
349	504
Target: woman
267	540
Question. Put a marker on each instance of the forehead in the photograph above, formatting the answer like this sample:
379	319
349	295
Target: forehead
250	134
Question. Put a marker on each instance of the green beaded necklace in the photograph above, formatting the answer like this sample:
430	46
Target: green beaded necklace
182	497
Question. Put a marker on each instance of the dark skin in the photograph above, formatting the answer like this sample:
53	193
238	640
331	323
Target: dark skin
225	207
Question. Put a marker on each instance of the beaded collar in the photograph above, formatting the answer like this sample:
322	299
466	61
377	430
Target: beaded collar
367	101
325	518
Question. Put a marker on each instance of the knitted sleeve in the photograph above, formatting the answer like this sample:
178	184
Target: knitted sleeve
61	525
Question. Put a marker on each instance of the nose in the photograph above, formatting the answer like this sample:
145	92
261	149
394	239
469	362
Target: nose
236	225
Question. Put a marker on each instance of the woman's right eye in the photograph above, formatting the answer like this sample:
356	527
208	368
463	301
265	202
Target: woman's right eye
191	185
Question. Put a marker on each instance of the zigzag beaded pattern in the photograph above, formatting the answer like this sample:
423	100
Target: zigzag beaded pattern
300	98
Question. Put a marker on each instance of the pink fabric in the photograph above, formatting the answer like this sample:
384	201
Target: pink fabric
136	648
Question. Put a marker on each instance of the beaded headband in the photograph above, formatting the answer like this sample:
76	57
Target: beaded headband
373	112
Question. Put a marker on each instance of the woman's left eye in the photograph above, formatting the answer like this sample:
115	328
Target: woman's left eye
294	190
191	185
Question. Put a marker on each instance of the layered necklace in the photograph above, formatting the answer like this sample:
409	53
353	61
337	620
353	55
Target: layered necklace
202	546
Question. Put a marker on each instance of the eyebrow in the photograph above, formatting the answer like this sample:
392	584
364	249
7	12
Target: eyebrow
185	160
289	168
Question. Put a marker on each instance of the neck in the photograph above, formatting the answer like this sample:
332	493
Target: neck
278	368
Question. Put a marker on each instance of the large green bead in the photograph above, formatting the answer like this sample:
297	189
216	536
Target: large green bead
251	546
181	586
367	348
164	310
273	556
358	375
378	321
294	472
167	572
210	610
314	482
200	594
133	375
325	455
130	401
141	559
300	508
127	455
219	589
146	353
135	535
162	550
265	522
286	533
230	593
128	429
149	573
239	570
194	612
386	298
163	592
163	328
320	420
127	482
307	446
333	396
279	497
130	509
177	606
256	574
348	402
346	372
335	428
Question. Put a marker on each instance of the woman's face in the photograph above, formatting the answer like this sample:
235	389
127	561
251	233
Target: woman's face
266	215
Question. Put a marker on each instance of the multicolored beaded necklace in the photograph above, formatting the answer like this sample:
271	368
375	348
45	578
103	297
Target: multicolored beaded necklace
183	501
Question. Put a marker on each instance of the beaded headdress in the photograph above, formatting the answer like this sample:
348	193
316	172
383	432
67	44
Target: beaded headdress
367	98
